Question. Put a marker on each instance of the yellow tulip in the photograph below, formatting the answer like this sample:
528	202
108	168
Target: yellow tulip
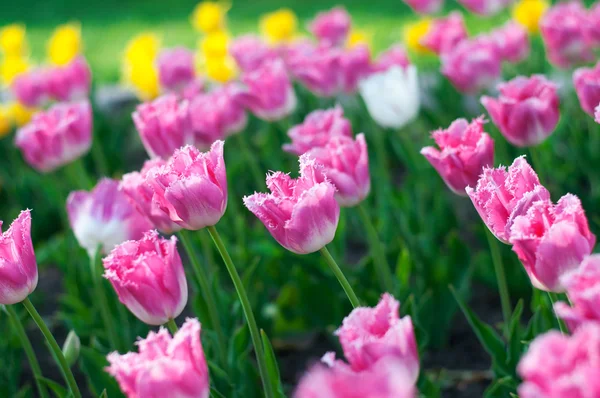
358	37
220	69
209	16
143	48
20	114
11	67
143	78
13	42
214	45
64	44
279	26
414	32
5	122
529	12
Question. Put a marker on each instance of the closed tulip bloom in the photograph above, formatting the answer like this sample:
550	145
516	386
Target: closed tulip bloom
163	125
513	41
316	67
148	276
473	64
18	267
192	186
561	366
250	52
501	195
563	29
464	151
104	217
485	7
587	86
140	194
526	111
56	136
393	56
331	27
70	82
164	366
355	65
32	88
175	68
392	96
445	33
301	214
425	6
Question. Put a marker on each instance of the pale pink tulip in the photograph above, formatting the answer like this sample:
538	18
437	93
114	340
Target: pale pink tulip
513	42
355	64
71	82
250	52
587	86
175	68
445	33
32	88
393	56
331	27
317	68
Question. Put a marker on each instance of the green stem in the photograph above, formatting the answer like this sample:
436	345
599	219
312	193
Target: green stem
207	292
78	176
561	324
62	362
384	186
172	326
340	277
247	308
382	268
33	362
501	278
100	294
537	163
253	164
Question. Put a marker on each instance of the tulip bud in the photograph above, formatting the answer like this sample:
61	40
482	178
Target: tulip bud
71	348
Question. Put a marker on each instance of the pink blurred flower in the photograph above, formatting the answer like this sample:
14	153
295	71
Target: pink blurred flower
104	217
332	26
527	110
425	6
501	195
445	33
317	129
32	88
316	67
355	64
485	7
56	136
301	214
473	64
513	42
561	366
165	366
592	28
192	186
587	86
268	91
563	29
148	277
393	56
465	150
193	88
164	125
140	194
70	82
583	290
175	68
250	52
551	240
18	270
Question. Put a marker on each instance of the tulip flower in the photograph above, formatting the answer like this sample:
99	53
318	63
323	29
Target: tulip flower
11	67
592	28
551	240
392	96
250	52
279	26
513	42
32	88
209	16
18	273
557	365
465	150
148	276
175	68
316	67
331	27
445	33
164	366
71	82
527	110
425	6
485	7
65	44
501	195
5	121
393	56
13	41
139	70
587	86
57	136
414	33
355	65
104	217
528	13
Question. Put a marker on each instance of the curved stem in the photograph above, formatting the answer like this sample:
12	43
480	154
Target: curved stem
247	308
33	362
172	326
100	294
501	278
58	355
340	277
561	324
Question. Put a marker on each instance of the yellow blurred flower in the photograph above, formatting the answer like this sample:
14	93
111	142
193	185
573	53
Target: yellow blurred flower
220	69
214	45
143	78
11	67
209	16
143	48
13	42
64	44
529	12
414	32
20	114
358	37
5	122
279	26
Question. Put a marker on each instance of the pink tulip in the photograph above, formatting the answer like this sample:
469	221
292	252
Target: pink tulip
148	277
104	217
250	52
317	68
331	27
527	110
301	214
32	88
175	68
192	186
393	56
190	90
268	91
473	64
71	82
513	41
18	270
485	7
165	366
56	136
551	240
425	6
164	125
317	129
369	334
346	165
587	86
445	33
592	29
140	194
563	29
501	195
465	150
355	64
561	366
583	290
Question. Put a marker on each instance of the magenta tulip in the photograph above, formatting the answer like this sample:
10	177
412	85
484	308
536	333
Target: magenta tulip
445	33
316	67
331	27
71	82
355	64
587	86
393	56
250	52
425	6
513	41
175	68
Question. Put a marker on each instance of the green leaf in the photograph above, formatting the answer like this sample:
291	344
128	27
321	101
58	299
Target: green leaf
514	338
104	394
272	368
58	390
93	364
214	393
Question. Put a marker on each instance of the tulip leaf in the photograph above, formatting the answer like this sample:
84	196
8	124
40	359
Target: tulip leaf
58	390
93	364
272	367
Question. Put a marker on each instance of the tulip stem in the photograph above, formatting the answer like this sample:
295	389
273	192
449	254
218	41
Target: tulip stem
58	355
207	292
102	302
561	324
501	278
33	362
340	277
247	308
382	267
259	178
172	326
